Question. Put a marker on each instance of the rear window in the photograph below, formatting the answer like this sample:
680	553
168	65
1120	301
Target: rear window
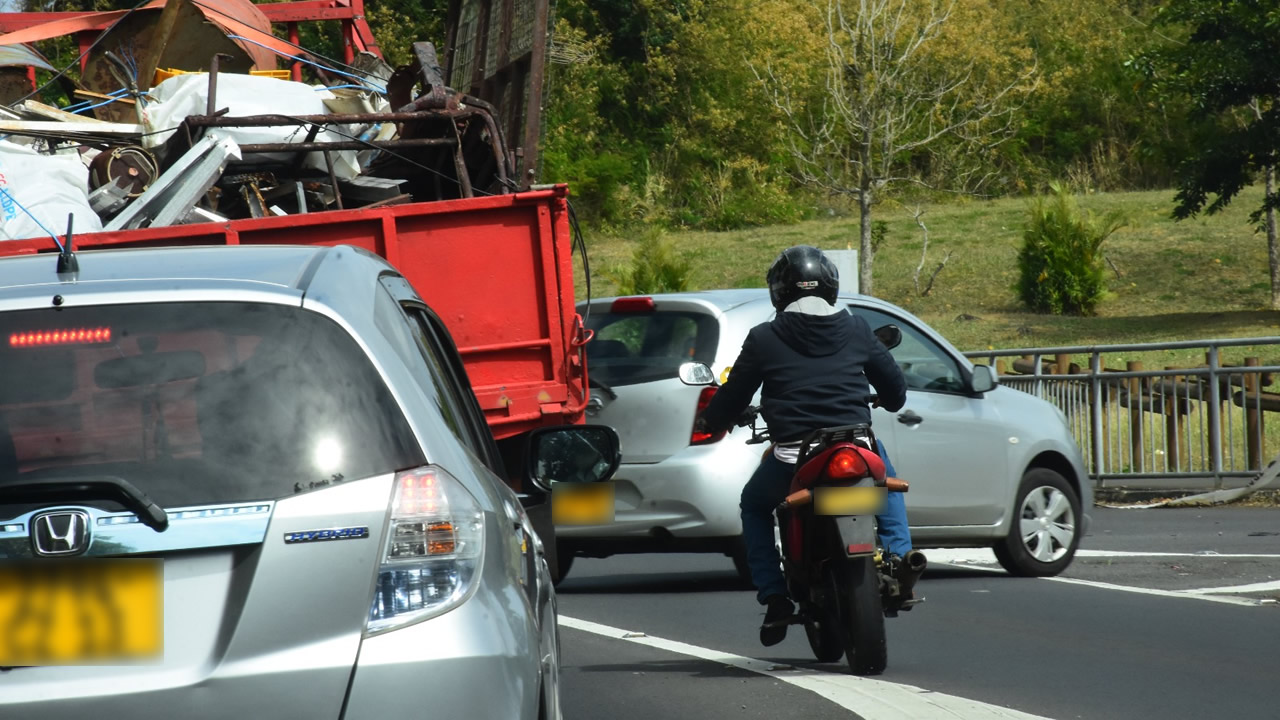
193	403
631	348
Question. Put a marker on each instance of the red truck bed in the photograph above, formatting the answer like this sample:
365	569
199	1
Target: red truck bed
496	269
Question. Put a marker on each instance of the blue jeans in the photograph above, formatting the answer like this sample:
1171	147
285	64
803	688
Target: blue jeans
767	488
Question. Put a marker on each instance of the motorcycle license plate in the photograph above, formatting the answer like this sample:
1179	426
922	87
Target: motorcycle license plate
582	503
81	612
857	500
857	535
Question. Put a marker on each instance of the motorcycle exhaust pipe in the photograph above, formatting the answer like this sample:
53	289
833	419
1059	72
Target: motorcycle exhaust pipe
909	571
893	484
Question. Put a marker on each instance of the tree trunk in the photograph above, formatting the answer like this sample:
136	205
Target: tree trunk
865	253
1273	252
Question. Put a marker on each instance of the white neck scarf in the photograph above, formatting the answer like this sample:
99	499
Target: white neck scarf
812	305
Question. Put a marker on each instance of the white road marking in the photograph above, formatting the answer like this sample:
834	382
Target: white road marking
1251	588
953	556
1201	554
869	698
984	559
1247	602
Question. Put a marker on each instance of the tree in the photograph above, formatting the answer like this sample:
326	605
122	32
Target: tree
1226	65
897	92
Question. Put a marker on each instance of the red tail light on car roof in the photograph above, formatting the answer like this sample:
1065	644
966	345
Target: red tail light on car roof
633	305
71	336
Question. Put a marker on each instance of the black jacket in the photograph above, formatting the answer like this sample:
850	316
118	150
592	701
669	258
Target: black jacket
815	371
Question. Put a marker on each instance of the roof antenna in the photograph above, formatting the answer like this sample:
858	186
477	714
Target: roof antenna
67	262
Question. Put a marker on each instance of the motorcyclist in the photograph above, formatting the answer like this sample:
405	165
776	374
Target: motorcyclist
815	361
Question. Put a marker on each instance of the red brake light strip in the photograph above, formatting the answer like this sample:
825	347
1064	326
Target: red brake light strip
72	336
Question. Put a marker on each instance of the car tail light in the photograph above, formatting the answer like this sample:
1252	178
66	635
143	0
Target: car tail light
846	463
68	336
633	305
434	548
705	438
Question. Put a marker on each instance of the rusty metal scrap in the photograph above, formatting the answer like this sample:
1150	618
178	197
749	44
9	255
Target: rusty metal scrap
431	142
443	135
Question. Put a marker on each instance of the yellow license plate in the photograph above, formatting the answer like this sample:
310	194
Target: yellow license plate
582	503
862	500
81	612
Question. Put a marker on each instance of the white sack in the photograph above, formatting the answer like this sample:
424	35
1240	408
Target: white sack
183	95
50	187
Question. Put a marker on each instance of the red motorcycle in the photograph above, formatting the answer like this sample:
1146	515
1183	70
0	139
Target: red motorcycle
843	581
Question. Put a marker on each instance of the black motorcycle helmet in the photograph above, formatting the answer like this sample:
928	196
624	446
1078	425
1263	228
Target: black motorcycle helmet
800	271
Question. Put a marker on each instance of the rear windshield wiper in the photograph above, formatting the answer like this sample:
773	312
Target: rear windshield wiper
96	487
593	382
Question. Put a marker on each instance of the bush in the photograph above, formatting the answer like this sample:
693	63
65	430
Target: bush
1061	265
656	267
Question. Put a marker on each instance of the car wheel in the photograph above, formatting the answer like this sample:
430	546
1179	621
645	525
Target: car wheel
564	561
1045	531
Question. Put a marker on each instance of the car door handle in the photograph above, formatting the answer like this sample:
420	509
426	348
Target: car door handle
907	417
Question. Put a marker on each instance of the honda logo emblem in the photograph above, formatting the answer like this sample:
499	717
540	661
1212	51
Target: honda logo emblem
64	532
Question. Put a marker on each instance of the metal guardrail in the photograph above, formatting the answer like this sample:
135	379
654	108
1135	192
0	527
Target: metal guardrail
1168	429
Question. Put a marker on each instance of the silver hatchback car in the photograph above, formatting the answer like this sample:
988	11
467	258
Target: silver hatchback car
252	482
988	466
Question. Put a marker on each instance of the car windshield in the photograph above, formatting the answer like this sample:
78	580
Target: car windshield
193	403
631	348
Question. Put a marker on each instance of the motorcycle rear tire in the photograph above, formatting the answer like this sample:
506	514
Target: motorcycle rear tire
825	633
861	615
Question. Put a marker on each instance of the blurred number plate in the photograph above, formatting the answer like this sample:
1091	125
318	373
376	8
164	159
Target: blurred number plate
81	612
861	500
582	503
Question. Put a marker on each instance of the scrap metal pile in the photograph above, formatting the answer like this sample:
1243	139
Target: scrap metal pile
185	119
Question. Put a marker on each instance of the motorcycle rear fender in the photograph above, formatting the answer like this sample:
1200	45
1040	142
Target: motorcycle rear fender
857	534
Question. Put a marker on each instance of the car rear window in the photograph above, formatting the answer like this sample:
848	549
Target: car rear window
193	403
631	348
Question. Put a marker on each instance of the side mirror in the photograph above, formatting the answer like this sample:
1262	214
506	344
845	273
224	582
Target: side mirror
984	380
890	335
696	373
571	453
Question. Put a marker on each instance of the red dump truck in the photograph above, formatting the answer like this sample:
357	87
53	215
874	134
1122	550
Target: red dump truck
496	269
489	251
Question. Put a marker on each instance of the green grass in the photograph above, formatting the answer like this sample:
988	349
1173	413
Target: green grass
1196	279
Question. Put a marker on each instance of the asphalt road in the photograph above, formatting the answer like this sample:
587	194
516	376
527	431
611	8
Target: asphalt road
1128	632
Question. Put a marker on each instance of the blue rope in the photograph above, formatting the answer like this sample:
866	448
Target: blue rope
33	217
308	62
88	104
94	107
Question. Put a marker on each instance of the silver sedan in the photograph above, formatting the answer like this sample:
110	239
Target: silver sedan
989	466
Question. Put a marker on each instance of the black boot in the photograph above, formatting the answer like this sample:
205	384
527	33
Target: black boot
776	618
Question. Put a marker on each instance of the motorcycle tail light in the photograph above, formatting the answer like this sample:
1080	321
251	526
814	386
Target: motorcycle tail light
846	463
